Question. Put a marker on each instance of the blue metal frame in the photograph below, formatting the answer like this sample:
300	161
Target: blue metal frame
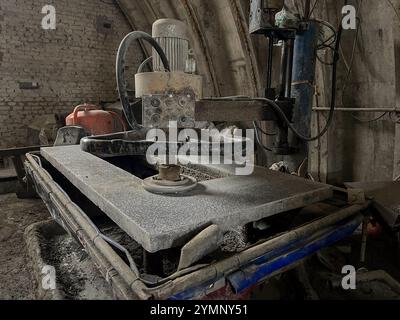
276	260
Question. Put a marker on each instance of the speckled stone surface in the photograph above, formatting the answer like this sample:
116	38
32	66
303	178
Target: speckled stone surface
160	222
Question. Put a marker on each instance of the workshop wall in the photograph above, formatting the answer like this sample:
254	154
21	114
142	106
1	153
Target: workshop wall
73	64
362	146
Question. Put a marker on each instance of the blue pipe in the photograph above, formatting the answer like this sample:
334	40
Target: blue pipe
304	77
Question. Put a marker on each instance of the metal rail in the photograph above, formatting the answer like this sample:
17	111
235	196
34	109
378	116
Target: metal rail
14	152
323	109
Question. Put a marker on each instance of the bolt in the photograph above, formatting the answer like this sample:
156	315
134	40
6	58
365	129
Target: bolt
182	102
155	103
183	119
155	119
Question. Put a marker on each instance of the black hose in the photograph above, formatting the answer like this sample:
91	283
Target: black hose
120	72
336	58
259	140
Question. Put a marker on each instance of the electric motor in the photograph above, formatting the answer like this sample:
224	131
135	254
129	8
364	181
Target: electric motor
173	37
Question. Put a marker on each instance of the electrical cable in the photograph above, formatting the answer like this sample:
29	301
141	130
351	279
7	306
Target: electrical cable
143	64
282	115
350	65
333	98
333	95
332	38
323	62
350	68
328	43
262	131
120	71
257	128
259	140
368	121
290	125
112	3
116	245
313	8
296	4
394	8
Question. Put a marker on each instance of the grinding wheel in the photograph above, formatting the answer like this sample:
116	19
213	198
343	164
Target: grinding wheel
158	186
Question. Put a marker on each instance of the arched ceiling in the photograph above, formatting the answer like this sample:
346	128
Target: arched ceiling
224	49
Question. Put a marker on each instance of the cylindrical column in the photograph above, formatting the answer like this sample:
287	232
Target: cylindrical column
304	77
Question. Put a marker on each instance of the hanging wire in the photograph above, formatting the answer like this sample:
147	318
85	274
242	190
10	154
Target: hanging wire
313	8
258	127
328	43
394	8
350	65
259	140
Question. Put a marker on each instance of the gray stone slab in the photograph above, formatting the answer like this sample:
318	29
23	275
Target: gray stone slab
160	222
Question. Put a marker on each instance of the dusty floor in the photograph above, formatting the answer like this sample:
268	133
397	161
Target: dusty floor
16	280
77	276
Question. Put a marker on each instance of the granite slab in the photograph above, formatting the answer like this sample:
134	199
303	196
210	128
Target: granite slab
160	222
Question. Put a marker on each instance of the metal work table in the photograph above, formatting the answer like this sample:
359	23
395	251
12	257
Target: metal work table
162	222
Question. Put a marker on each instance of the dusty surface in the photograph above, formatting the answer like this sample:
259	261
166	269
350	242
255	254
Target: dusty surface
16	280
6	173
163	222
77	276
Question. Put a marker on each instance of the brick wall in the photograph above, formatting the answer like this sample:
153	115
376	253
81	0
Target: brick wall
73	64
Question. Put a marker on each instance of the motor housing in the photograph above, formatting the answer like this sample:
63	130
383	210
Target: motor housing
173	37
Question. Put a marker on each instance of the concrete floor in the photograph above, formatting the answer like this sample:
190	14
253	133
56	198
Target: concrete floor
16	274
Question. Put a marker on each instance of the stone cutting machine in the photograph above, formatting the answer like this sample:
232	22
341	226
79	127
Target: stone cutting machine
172	95
187	214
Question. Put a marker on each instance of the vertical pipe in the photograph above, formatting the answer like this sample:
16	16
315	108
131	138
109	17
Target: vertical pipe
290	68
284	69
270	59
304	77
